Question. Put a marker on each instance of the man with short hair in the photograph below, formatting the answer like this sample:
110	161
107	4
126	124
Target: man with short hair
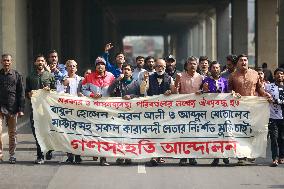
115	69
245	82
126	87
59	72
204	66
215	84
138	72
96	85
150	64
12	103
276	120
57	69
39	79
186	83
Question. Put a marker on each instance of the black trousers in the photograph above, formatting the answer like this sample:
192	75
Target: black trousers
276	133
38	149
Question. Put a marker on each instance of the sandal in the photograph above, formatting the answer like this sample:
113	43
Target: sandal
12	160
153	162
161	160
274	164
281	161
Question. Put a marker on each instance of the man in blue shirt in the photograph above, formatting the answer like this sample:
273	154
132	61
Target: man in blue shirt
115	69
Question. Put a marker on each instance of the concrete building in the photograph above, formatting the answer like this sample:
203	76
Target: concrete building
79	29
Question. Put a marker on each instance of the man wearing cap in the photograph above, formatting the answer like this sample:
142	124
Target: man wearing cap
171	66
115	69
96	85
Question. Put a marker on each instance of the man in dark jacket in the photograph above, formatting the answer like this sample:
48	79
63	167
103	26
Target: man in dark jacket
127	88
12	101
157	83
39	79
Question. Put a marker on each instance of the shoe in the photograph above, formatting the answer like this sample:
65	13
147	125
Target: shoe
274	163
39	161
192	161
128	162
252	160
48	155
69	160
226	161
95	158
154	162
78	159
12	160
241	162
215	162
161	160
182	161
119	161
103	162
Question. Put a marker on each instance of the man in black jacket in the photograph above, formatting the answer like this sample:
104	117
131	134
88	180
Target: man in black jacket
39	79
12	101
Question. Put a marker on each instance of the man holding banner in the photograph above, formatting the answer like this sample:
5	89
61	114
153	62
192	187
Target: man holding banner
245	82
127	88
215	84
157	83
39	79
96	85
186	83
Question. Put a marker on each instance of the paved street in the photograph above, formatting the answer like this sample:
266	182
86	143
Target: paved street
89	174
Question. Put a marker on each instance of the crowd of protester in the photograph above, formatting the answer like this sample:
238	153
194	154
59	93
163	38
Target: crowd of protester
150	77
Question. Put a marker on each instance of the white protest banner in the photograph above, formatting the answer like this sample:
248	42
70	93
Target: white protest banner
179	126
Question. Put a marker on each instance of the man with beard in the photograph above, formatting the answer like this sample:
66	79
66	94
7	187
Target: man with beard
204	66
138	72
96	85
115	69
12	103
215	84
157	83
245	82
150	64
171	66
39	79
186	83
276	120
58	70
